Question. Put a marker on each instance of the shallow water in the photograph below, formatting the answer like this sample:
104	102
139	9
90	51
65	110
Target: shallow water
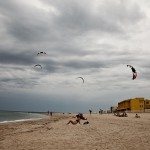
10	116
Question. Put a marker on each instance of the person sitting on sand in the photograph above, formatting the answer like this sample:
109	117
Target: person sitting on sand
137	116
78	118
80	115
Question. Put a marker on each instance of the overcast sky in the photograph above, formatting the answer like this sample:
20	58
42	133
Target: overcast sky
93	39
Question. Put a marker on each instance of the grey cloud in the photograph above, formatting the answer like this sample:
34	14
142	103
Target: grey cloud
123	12
110	16
28	24
25	23
78	64
71	50
52	68
18	82
11	57
77	19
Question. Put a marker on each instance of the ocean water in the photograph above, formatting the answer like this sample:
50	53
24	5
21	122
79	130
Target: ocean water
11	116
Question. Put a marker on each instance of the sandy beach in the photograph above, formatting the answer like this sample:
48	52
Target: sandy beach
104	132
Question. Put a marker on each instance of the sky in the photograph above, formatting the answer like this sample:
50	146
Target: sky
82	38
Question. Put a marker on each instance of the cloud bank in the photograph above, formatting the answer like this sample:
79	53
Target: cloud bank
93	39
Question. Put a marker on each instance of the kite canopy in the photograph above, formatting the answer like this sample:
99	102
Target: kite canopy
40	53
133	71
38	65
82	79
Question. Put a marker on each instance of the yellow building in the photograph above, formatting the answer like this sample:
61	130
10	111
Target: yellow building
147	104
124	105
134	105
137	104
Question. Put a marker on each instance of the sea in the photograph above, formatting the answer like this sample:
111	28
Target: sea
17	116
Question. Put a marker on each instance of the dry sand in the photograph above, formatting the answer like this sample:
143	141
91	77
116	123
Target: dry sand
105	132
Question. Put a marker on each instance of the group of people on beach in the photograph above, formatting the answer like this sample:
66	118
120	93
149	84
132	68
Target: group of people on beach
120	114
100	111
80	117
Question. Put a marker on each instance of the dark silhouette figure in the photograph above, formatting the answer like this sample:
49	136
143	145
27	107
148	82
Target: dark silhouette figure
90	111
51	113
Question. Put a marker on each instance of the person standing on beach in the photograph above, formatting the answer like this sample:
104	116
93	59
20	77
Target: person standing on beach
48	112
51	113
90	111
99	111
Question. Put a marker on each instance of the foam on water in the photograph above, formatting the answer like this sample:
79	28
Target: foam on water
8	116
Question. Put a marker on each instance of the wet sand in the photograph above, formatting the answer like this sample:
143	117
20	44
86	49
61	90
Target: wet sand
104	132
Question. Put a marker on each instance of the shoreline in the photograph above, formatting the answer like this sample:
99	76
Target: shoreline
16	116
26	120
20	120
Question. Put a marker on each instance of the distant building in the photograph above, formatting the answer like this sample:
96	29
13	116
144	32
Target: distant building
134	105
147	104
113	108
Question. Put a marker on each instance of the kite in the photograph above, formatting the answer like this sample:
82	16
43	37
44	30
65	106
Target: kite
41	53
133	71
81	78
37	65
